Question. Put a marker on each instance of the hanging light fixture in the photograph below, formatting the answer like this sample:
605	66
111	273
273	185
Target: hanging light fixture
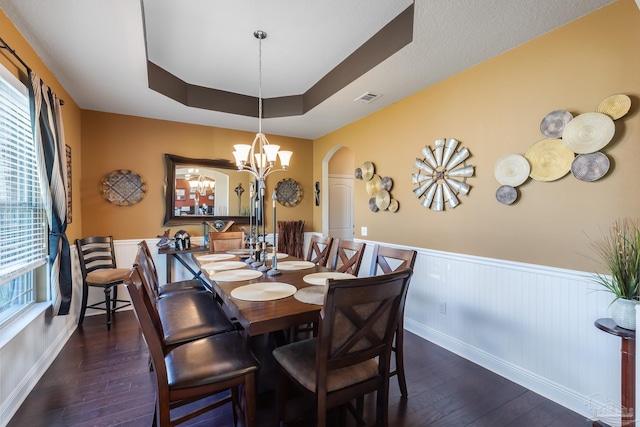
259	159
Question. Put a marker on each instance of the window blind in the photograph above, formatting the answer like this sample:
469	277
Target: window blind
23	223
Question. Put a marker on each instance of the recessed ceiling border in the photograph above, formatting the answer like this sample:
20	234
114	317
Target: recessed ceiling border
386	42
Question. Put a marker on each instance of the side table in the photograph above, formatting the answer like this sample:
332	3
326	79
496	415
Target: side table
628	371
181	257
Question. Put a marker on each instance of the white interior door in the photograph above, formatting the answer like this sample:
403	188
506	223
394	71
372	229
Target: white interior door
341	207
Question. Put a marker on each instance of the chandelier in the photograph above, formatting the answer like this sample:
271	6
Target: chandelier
202	184
259	159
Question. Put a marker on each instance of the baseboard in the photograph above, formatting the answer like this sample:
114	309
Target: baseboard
580	404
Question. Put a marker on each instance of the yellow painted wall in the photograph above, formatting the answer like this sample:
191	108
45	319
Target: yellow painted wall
342	162
112	141
70	111
494	109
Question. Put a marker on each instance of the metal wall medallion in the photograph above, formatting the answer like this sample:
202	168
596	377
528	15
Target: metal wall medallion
378	188
288	192
123	187
442	174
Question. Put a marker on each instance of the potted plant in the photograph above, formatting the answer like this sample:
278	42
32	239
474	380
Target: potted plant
619	251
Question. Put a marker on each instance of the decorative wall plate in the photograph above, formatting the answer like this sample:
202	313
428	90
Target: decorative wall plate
123	187
615	106
550	159
553	123
590	167
378	188
442	174
588	133
368	169
288	192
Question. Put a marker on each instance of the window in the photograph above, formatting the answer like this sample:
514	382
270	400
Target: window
23	223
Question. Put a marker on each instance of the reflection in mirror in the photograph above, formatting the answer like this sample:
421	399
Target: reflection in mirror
205	189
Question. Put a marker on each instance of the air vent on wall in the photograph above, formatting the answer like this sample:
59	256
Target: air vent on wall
368	97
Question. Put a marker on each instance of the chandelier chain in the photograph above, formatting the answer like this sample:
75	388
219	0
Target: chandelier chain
260	37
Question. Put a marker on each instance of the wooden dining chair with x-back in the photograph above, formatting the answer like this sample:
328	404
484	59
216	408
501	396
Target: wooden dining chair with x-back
386	260
319	249
351	355
347	256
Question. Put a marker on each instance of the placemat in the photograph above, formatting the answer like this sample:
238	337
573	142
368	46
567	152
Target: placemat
322	278
266	291
311	295
214	257
295	265
223	265
235	275
279	255
239	251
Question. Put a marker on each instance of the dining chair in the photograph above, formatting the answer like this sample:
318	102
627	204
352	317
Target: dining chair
351	355
385	260
97	259
170	288
318	253
197	369
182	317
319	249
347	256
225	241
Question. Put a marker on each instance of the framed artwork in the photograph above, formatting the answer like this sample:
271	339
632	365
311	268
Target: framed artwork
69	204
181	194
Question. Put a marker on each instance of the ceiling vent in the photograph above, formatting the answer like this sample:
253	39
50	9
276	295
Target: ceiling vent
367	97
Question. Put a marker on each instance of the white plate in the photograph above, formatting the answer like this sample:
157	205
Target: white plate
265	291
214	257
295	265
322	278
223	265
235	275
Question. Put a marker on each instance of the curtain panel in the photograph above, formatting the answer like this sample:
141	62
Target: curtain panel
48	133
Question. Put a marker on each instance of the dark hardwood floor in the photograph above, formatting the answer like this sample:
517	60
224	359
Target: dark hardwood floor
102	378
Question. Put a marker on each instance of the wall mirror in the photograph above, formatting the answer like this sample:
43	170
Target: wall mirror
199	190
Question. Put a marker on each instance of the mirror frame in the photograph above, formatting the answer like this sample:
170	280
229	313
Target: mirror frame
170	161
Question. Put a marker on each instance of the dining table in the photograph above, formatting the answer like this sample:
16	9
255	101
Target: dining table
272	303
267	307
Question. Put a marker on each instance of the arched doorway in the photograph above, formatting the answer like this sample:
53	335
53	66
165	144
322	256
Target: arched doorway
337	199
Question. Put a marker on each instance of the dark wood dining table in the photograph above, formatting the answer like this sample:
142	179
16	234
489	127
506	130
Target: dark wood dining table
261	317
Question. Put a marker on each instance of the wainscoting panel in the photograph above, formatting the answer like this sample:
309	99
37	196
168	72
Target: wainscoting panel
531	324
